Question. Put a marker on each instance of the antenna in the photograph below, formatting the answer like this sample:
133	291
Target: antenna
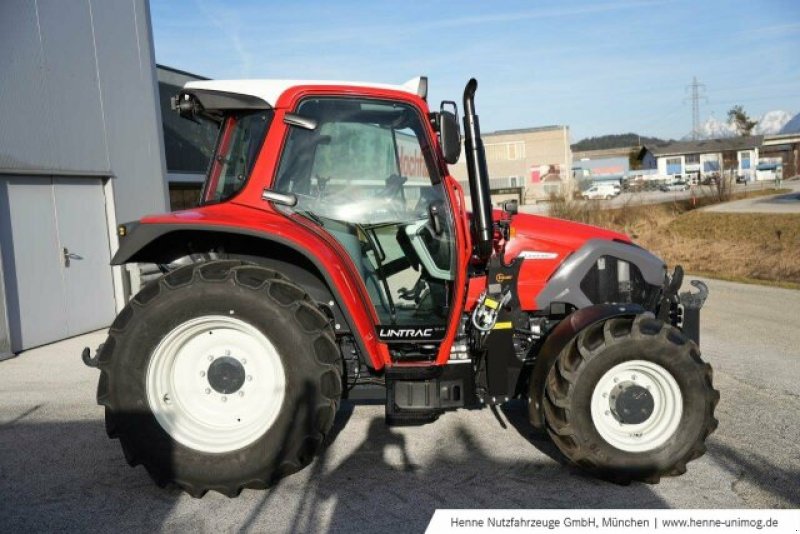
697	90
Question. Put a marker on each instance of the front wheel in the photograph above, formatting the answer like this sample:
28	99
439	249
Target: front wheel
221	375
630	399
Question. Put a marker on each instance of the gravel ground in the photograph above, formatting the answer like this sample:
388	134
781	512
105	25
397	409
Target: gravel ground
58	471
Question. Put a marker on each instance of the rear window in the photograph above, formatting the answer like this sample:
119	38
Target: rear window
238	145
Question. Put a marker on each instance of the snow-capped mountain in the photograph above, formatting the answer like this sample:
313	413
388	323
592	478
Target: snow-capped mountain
793	126
713	128
772	122
769	123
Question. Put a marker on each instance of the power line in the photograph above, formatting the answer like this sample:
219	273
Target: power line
697	90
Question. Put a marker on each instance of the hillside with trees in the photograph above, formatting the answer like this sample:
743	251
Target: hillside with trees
615	141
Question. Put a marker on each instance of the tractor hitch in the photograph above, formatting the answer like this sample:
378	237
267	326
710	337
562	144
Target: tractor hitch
88	359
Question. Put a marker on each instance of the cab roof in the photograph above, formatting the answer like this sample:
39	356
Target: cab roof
264	94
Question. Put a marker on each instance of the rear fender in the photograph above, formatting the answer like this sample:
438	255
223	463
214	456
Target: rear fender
559	337
165	243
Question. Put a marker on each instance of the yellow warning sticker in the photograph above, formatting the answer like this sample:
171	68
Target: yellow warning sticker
503	326
489	303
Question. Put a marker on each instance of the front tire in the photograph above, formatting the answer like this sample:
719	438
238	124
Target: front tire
630	399
220	376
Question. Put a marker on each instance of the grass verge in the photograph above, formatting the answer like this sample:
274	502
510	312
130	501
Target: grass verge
742	247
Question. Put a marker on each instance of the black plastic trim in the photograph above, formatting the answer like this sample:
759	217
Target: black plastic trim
213	100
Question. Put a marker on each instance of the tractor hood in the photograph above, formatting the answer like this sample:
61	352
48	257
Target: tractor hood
560	259
547	234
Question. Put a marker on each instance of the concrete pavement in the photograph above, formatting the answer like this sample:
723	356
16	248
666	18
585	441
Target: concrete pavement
58	471
658	197
784	203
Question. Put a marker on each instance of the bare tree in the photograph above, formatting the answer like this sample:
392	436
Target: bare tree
723	188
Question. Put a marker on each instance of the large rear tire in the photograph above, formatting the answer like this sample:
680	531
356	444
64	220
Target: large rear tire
220	376
630	399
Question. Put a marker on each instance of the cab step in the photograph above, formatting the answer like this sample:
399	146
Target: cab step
419	395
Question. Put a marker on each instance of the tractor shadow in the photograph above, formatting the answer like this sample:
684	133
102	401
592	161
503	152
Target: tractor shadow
393	478
368	477
754	472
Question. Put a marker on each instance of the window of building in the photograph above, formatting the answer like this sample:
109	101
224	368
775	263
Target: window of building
744	160
692	158
510	151
184	196
674	166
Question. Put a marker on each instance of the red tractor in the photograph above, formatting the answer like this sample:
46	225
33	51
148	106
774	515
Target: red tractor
332	251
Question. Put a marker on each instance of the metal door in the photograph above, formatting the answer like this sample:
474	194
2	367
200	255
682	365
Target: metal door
34	285
85	257
54	236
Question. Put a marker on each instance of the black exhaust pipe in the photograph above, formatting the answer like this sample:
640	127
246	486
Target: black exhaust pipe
482	222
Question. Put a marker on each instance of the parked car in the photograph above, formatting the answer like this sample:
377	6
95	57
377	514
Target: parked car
602	191
675	186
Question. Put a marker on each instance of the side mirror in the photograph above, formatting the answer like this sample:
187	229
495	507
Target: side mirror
449	136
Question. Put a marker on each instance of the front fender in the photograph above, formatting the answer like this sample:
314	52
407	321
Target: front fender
163	242
559	337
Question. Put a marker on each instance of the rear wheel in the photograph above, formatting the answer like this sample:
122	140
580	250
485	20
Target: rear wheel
630	399
221	375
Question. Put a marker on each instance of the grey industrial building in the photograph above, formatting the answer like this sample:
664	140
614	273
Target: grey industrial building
187	145
81	149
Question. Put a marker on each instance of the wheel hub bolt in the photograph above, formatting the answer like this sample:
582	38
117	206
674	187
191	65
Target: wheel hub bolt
208	391
202	374
211	358
241	393
224	398
244	361
249	378
167	400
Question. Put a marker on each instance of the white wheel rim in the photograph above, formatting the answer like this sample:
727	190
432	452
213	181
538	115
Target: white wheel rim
186	404
666	414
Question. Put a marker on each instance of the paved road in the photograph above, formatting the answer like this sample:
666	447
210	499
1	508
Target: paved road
785	203
59	471
657	197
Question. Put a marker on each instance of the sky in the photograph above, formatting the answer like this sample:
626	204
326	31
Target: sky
599	67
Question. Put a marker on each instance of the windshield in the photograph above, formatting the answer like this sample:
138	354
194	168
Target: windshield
238	145
368	162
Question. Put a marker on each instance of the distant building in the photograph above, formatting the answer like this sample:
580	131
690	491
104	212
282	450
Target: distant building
783	150
538	160
188	146
605	165
696	160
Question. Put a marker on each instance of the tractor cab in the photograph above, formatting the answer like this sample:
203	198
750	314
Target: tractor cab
366	172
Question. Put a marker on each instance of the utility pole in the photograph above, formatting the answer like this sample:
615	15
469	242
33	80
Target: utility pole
697	90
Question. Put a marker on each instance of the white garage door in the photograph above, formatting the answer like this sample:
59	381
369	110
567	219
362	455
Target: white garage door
54	236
